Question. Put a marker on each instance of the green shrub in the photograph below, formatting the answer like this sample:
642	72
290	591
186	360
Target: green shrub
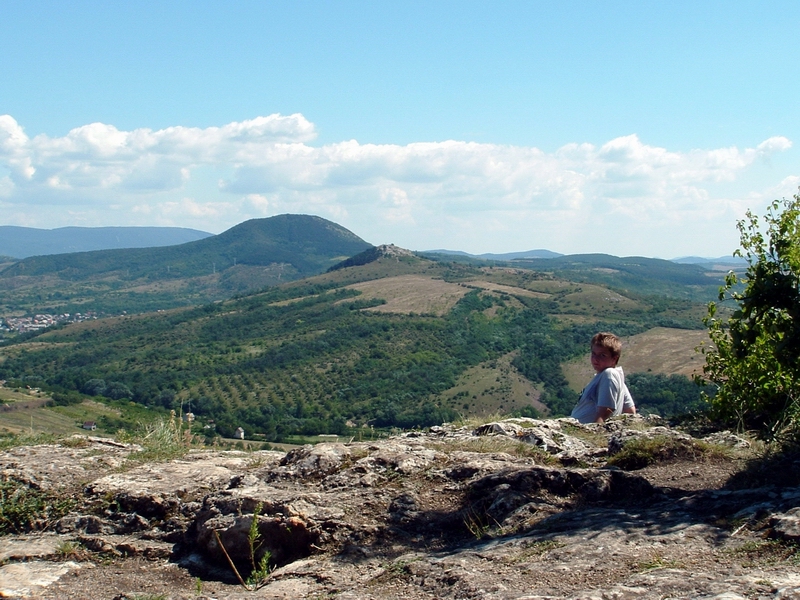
25	508
754	361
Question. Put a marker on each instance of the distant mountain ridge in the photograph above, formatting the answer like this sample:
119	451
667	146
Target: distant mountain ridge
22	242
734	261
261	253
541	253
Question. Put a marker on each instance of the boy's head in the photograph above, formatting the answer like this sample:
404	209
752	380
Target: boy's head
606	350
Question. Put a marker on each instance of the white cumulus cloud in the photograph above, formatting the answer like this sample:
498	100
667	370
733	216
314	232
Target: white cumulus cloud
475	196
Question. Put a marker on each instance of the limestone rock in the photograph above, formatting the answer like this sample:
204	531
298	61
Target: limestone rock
500	512
787	525
28	579
55	466
726	438
618	439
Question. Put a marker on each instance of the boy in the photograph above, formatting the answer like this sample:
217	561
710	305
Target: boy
606	395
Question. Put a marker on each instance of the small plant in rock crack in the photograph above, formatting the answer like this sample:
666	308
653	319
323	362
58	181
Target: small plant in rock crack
769	552
657	562
68	550
161	440
260	569
477	524
537	548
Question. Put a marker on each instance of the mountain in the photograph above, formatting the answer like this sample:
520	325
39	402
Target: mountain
507	256
22	242
711	263
630	274
721	263
252	255
306	244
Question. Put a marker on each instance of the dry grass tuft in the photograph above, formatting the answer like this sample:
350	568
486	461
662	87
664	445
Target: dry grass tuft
640	453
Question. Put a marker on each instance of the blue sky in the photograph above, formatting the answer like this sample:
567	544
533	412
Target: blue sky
619	127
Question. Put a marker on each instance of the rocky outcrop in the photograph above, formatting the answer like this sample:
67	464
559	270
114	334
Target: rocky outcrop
513	509
372	254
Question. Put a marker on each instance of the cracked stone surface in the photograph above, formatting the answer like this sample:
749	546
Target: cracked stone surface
518	509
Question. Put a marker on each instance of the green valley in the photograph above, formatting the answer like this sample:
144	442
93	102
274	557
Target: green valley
396	340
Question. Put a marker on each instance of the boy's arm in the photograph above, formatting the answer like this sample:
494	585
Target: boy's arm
628	407
608	389
603	412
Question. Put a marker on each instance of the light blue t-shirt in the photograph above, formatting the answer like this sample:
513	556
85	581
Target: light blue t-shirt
607	389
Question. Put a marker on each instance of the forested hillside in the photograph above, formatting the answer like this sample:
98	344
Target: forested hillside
378	344
250	256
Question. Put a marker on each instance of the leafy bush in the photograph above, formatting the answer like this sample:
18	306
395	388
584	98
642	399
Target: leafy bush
117	391
94	387
755	359
66	398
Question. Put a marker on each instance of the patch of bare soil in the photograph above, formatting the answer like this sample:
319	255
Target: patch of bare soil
692	476
508	289
133	578
491	388
664	350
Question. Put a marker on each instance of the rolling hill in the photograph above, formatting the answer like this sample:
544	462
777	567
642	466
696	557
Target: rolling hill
252	255
396	340
633	274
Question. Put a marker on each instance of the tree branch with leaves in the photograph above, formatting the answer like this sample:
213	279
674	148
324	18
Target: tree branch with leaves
754	360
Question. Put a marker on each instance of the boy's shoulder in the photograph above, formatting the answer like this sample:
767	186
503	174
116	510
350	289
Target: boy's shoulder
612	374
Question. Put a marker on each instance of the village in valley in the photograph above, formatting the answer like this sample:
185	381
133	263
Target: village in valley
42	321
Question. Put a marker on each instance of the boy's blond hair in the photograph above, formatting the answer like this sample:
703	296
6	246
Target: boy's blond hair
608	341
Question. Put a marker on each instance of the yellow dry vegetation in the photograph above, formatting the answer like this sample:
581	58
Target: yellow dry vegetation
160	286
412	294
508	289
665	350
659	350
292	300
